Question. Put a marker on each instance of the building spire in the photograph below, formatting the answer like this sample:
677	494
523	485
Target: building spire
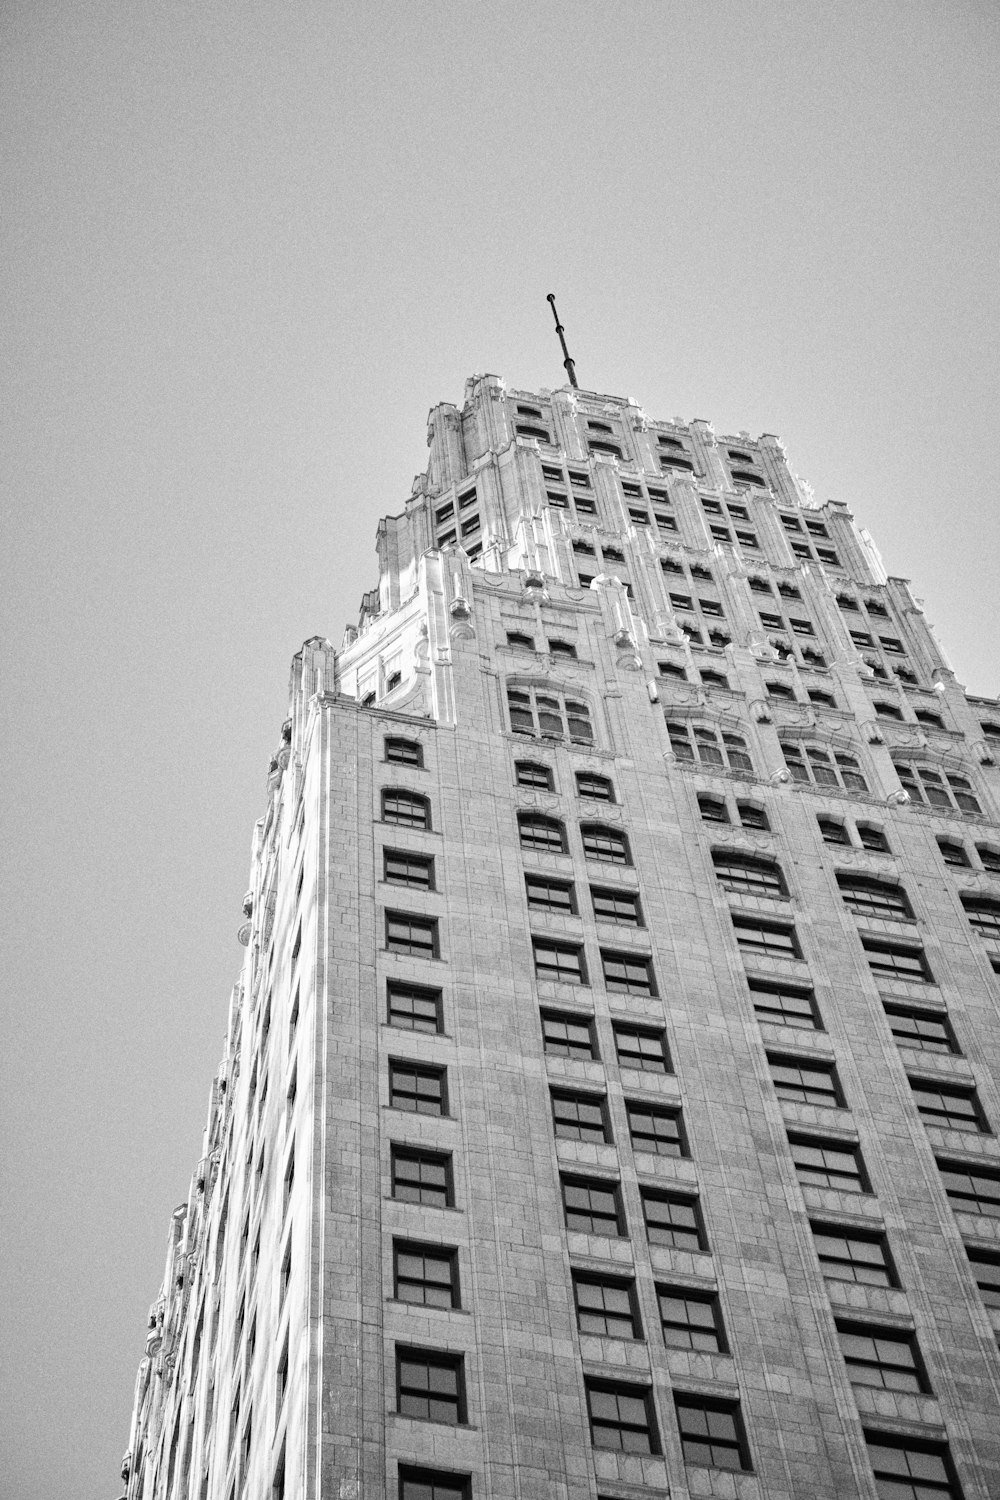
568	364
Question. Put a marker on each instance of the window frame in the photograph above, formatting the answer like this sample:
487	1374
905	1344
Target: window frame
727	863
405	797
852	1236
690	1439
594	779
872	896
558	974
400	1152
807	1141
547	1015
659	1145
397	988
415	921
686	1201
618	851
615	896
906	1339
408	858
830	1097
622	1390
631	965
566	1128
621	1284
544	782
528	818
920	973
899	1011
889	1442
443	1255
686	1295
399	1066
397	742
941	1118
659	1034
777	1015
538	879
609	1186
440	1359
746	922
452	1486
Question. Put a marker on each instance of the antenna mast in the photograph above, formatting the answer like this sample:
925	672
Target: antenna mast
568	364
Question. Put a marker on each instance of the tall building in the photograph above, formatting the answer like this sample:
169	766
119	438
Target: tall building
609	1097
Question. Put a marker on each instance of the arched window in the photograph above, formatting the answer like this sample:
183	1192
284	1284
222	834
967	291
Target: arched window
811	764
989	858
674	461
953	853
936	788
599	788
601	446
523	429
549	716
700	744
544	834
748	873
406	808
604	843
888	711
984	914
747	476
868	897
404	752
529	773
928	717
712	809
873	838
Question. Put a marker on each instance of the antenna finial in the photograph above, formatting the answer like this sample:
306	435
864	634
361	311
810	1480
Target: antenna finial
568	364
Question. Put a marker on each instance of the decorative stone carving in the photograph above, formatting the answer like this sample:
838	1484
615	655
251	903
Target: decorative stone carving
760	711
779	778
872	732
898	799
459	608
243	935
248	904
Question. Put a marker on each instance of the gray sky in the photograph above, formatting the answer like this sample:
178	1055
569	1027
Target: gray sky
247	246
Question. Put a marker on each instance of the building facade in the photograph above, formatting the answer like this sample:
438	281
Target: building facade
609	1101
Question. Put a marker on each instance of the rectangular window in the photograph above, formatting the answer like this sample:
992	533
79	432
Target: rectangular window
642	1047
920	1029
712	1433
425	1274
580	1117
949	1108
805	1082
828	1164
690	1320
422	1177
568	1035
621	1417
430	1385
402	868
896	960
562	962
786	1004
848	1255
414	1008
550	895
974	1190
867	897
420	1089
908	1469
628	973
881	1357
415	936
593	1206
656	1129
673	1219
616	905
986	1269
606	1305
774	939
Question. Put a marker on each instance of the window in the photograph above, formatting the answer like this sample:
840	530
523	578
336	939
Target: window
935	788
780	690
413	1008
813	764
828	1164
973	1190
821	698
673	1219
524	429
868	897
593	1206
403	868
848	1254
873	839
881	1357
603	843
550	895
834	830
580	1117
953	853
714	679
621	1417
896	960
700	744
772	939
747	872
616	905
628	973
522	642
583	549
925	1031
949	1107
927	717
425	1274
908	1469
606	1305
598	788
656	1129
421	1090
528	773
671	669
690	1320
562	962
422	1177
983	913
562	648
642	1047
612	555
712	809
712	1432
786	1004
539	832
568	1035
549	716
805	1083
416	936
430	1385
989	858
428	1484
986	1269
406	808
752	816
404	752
888	711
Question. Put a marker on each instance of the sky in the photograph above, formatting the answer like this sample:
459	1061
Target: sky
247	247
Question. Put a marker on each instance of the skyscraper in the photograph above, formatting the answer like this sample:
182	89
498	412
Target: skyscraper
609	1097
